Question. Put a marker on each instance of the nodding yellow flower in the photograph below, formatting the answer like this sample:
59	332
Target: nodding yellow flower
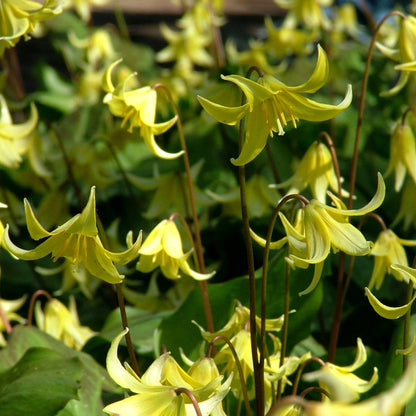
271	104
308	13
340	382
63	323
388	249
14	138
77	240
138	107
404	53
156	390
315	169
388	403
19	18
163	248
319	228
402	154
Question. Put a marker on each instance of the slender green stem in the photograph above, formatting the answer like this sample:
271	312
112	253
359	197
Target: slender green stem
211	346
124	321
199	253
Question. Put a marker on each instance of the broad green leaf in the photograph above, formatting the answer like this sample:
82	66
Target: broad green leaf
40	383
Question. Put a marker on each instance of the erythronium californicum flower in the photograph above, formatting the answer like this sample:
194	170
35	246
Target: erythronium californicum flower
388	403
404	54
315	169
156	390
19	17
402	154
308	13
163	248
76	240
14	138
138	107
9	308
320	227
339	381
388	249
63	323
271	104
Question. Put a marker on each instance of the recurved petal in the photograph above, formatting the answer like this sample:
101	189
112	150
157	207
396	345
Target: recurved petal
40	251
274	245
149	138
222	113
153	242
107	82
116	371
375	202
388	312
307	109
34	227
127	255
318	77
186	269
18	131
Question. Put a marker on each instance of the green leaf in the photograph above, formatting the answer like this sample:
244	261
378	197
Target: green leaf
93	379
40	383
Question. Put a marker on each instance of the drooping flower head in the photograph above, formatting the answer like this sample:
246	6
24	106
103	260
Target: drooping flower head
62	323
404	53
19	18
163	248
271	104
138	107
14	138
78	241
156	391
315	169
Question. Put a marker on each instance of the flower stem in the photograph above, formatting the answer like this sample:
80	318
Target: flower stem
191	396
130	347
199	255
32	303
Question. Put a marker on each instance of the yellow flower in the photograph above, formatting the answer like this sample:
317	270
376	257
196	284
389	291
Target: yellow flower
62	323
340	382
76	240
388	249
271	104
137	106
402	154
309	13
19	17
14	138
404	53
320	227
163	248
9	308
156	390
316	169
283	41
388	403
